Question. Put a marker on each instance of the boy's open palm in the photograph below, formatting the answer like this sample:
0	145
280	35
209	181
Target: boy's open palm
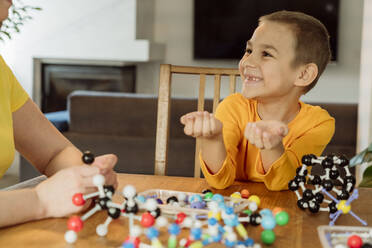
265	134
201	124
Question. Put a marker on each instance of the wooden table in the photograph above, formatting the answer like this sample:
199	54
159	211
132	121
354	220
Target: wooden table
299	232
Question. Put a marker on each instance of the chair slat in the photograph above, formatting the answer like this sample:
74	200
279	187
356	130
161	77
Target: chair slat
162	132
204	70
217	90
197	161
232	84
201	93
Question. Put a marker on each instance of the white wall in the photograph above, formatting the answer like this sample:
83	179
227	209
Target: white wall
65	28
173	26
90	30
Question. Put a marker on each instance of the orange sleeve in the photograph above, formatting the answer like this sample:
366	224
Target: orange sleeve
232	136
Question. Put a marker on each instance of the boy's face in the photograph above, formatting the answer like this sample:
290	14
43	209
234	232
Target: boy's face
265	68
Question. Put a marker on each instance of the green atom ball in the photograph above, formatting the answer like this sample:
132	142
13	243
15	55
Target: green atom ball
247	211
208	196
282	218
268	237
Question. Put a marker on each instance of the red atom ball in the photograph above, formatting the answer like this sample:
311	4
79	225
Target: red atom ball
133	240
180	217
354	241
78	199
147	220
75	223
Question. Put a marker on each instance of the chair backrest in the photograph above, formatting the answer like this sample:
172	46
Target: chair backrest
162	131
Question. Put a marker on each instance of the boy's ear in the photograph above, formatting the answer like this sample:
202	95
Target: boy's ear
307	74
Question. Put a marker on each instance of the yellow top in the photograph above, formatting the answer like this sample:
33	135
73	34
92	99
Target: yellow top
12	97
309	132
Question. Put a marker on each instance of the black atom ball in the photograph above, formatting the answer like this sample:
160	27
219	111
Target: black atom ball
333	174
113	213
109	190
292	185
327	163
327	184
299	179
255	219
172	199
206	191
307	159
366	245
343	160
332	207
319	197
302	204
316	180
102	202
314	207
308	195
88	157
344	195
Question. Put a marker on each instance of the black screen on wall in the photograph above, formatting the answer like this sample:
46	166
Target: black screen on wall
222	28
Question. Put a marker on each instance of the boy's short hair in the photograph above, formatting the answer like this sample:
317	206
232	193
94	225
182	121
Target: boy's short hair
312	39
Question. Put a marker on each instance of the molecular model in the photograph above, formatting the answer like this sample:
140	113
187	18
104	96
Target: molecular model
103	201
322	185
220	223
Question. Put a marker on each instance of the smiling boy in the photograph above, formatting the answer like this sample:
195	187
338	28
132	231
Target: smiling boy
261	134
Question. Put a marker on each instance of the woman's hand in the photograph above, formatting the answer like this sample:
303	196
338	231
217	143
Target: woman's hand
105	164
55	194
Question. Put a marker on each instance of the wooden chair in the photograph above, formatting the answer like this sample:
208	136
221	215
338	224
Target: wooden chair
162	131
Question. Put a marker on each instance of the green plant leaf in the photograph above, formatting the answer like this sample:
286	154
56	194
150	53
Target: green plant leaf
19	14
6	33
367	178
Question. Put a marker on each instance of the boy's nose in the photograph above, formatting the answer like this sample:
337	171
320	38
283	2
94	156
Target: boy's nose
248	61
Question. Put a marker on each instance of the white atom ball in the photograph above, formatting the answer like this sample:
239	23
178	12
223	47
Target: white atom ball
101	230
98	180
129	191
70	237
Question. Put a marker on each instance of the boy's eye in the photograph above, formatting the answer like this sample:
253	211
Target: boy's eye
248	50
266	54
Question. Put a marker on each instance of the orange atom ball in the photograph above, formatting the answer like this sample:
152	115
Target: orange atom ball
277	210
244	193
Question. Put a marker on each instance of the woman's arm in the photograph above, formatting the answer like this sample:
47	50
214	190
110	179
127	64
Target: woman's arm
52	154
40	142
47	149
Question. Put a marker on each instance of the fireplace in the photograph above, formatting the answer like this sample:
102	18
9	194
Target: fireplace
59	80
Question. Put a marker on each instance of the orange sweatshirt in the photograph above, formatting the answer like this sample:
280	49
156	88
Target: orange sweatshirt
309	132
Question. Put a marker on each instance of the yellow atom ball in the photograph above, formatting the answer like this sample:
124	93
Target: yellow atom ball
236	195
343	207
255	199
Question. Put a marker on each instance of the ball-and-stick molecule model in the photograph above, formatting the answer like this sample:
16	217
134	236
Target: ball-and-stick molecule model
103	201
336	179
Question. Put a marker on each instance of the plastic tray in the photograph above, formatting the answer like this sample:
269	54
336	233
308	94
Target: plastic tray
330	236
238	204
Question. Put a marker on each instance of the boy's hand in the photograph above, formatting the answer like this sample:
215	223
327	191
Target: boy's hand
265	134
201	124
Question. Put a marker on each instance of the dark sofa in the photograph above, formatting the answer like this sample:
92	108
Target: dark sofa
125	124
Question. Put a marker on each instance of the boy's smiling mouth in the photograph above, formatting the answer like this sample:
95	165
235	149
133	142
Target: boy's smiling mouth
251	79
